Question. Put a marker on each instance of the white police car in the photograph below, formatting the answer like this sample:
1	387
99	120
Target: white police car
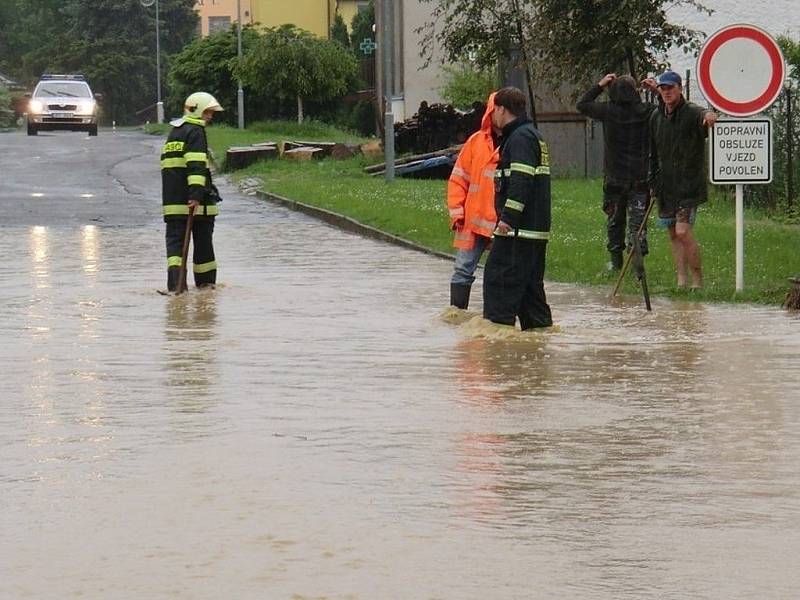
62	102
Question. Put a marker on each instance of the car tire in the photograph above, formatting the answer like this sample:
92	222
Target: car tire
93	130
32	129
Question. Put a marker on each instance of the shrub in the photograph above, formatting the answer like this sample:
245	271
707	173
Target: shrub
466	84
6	113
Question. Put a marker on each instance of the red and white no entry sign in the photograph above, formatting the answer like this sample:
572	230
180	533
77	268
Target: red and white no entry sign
741	70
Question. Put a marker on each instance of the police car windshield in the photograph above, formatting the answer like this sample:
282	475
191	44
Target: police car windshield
71	89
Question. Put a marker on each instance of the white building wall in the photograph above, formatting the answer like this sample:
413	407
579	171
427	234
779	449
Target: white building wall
776	17
419	83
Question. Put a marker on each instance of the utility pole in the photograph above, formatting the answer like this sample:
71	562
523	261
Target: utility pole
240	92
388	80
159	103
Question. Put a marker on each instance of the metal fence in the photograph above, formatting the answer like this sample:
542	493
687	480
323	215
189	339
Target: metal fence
367	71
782	192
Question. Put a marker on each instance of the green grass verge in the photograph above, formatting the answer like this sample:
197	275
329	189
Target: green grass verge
414	209
222	137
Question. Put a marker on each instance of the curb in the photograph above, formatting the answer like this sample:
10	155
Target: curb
350	225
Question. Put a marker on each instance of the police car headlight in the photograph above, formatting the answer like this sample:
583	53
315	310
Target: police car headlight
35	107
85	107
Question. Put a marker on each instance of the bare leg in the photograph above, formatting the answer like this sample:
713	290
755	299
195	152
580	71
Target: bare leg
691	252
678	255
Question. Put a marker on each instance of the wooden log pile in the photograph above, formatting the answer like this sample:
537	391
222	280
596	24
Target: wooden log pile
302	153
437	126
239	157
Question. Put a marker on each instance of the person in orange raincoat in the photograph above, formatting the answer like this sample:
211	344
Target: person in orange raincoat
470	201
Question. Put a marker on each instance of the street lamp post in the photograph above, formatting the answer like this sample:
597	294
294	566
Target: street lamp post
240	92
388	79
159	103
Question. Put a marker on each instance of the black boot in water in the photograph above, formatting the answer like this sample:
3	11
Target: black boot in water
459	295
616	262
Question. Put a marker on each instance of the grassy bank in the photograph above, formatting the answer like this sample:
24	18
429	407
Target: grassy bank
222	137
415	210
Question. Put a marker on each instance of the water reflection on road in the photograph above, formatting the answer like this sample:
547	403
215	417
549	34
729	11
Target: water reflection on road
315	429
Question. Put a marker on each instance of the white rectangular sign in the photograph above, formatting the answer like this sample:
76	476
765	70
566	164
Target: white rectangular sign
741	151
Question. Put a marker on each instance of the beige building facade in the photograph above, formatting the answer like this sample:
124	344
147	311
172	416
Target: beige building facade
219	15
315	16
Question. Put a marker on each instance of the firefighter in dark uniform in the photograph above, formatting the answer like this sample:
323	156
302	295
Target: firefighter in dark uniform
186	182
513	280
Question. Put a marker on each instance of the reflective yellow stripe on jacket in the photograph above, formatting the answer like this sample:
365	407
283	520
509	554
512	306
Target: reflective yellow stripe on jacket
514	205
210	210
173	163
526	234
529	169
197	157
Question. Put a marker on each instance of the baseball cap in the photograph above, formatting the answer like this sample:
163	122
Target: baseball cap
669	78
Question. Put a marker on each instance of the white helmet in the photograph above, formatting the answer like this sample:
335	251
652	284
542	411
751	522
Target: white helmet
199	102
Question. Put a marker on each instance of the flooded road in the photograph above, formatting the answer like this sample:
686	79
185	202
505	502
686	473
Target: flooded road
315	429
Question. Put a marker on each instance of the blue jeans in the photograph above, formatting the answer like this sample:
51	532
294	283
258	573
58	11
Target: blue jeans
467	261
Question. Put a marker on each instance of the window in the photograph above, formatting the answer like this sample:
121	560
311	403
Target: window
217	24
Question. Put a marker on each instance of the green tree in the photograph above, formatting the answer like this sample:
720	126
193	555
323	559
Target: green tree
207	64
339	31
782	192
112	42
467	84
580	39
6	114
294	64
32	34
488	33
556	41
361	27
8	44
791	52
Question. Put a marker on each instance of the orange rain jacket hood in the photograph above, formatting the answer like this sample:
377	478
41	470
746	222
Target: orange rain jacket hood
470	190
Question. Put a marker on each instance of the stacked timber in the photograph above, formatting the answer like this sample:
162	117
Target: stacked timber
323	147
239	157
343	151
302	153
437	126
332	149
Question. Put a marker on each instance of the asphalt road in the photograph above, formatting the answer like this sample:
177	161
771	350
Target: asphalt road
68	178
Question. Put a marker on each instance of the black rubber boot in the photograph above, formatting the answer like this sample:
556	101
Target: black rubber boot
616	261
459	295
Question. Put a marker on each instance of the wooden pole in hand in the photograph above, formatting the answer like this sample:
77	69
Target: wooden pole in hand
182	287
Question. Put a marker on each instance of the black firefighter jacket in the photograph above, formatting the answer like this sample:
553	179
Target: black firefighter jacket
184	171
523	194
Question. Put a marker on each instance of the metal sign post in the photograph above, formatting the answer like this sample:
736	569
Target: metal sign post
740	71
741	152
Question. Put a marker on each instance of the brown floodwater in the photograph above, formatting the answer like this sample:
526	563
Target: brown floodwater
320	426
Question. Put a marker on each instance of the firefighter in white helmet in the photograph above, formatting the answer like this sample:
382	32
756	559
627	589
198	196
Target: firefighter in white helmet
186	185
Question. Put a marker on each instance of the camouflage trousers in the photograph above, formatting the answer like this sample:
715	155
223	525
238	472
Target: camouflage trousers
625	203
